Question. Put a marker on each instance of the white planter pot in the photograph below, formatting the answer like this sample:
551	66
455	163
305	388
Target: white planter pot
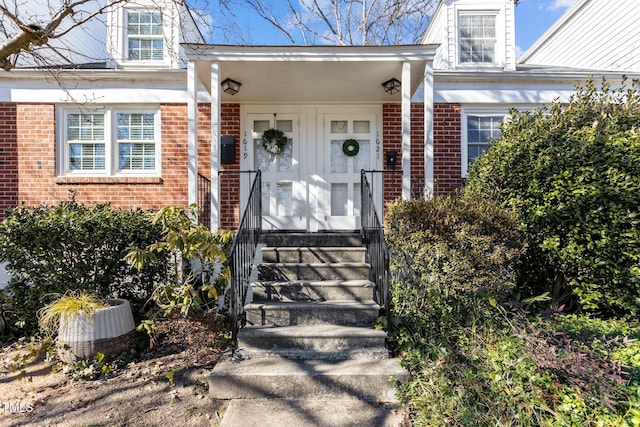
111	330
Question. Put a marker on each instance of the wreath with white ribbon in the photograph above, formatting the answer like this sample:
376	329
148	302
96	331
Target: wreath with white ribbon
350	147
274	141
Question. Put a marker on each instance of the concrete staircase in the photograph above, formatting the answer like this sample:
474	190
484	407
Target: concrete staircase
310	335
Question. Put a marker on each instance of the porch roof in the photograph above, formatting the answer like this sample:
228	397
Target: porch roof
310	74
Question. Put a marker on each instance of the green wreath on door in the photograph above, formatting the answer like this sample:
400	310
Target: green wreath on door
350	147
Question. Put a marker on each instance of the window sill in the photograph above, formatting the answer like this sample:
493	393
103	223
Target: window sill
107	180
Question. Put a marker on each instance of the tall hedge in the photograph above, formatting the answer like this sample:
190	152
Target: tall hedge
73	246
572	174
452	260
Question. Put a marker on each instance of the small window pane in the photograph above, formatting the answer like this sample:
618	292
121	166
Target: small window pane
338	158
284	125
261	125
477	38
132	128
357	199
362	160
480	132
284	199
339	199
85	135
361	126
339	126
145	39
86	157
266	198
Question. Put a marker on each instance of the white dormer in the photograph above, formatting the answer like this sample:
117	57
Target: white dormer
473	35
148	33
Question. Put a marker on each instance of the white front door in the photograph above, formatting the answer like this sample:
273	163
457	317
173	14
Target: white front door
342	166
312	184
284	188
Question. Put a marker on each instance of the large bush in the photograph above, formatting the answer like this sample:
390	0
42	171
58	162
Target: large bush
72	246
452	263
572	174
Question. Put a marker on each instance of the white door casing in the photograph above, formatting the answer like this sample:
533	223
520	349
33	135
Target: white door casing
312	185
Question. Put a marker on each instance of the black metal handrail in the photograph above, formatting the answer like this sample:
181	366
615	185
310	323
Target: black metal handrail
204	200
373	237
242	253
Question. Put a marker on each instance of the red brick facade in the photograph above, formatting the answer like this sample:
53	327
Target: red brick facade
8	157
447	155
28	159
28	169
447	148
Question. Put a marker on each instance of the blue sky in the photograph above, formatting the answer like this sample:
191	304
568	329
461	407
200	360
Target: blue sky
534	17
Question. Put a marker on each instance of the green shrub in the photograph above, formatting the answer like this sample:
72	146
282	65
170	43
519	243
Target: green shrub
72	246
452	263
198	273
572	175
524	373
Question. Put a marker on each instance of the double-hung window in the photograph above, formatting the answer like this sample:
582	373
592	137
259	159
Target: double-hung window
145	41
111	142
479	129
476	39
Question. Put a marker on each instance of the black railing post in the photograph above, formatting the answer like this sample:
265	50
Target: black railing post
204	200
373	237
243	251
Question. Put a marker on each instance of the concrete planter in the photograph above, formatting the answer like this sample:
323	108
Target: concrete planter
111	330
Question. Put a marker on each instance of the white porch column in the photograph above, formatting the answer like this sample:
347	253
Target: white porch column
192	132
406	130
215	145
428	130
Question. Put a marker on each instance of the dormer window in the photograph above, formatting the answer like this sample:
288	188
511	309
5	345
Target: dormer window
477	39
145	41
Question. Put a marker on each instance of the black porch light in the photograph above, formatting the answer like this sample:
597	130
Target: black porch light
391	86
230	86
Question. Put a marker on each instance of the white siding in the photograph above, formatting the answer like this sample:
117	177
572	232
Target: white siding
594	35
436	33
82	45
443	29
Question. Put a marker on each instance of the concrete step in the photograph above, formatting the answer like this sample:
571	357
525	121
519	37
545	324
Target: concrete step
313	271
313	254
312	342
272	377
312	413
346	313
321	290
312	239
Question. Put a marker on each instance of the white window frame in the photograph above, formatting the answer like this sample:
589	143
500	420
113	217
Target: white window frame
475	112
112	167
118	40
500	37
128	36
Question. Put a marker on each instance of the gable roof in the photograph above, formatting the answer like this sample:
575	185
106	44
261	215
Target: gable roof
592	34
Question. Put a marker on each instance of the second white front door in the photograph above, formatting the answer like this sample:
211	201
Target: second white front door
312	184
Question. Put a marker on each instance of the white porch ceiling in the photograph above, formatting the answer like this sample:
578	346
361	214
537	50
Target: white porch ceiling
310	74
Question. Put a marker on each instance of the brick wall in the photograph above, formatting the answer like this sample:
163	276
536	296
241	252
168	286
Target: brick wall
28	169
446	151
8	157
392	141
230	182
28	163
447	158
